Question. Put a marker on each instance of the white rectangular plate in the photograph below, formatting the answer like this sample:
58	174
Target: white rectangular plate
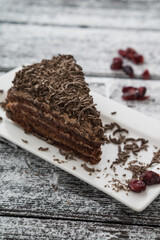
138	125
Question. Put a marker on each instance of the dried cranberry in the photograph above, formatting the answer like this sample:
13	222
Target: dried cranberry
116	64
122	53
128	70
137	59
150	178
132	55
132	93
130	50
137	186
146	75
126	89
142	91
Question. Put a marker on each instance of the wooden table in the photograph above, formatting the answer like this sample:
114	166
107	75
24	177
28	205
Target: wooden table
38	200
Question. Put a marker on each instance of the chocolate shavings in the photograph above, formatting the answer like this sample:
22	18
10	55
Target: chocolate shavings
88	169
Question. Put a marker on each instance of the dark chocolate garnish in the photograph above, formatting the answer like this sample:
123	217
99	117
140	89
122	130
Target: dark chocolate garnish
88	169
43	149
59	84
25	141
113	113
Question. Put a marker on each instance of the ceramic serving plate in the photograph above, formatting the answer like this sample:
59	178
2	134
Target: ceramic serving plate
138	125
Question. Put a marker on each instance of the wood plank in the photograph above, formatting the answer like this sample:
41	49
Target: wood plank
93	48
26	181
2	73
103	14
31	229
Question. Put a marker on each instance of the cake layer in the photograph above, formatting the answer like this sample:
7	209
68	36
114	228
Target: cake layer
44	130
54	119
53	125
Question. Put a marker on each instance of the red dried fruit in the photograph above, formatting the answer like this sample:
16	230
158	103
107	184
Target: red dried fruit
150	178
129	71
137	59
137	186
146	75
122	53
132	93
132	55
126	89
117	63
142	91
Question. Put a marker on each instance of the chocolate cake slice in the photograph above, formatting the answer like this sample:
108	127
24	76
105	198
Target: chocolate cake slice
51	100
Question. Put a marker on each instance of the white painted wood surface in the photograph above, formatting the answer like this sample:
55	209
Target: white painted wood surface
93	48
93	31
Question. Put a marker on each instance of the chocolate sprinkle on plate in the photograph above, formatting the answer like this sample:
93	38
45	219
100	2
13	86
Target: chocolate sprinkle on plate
88	169
25	141
113	113
43	149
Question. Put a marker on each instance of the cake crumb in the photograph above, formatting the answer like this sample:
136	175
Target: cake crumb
1	91
25	141
74	168
90	174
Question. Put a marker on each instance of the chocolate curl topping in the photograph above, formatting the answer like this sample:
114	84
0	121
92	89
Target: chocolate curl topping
59	85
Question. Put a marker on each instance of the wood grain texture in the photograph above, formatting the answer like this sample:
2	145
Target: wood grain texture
93	48
32	229
102	14
38	200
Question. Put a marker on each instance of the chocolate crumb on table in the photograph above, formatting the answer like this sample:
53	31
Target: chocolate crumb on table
74	168
1	119
54	187
25	141
1	91
43	149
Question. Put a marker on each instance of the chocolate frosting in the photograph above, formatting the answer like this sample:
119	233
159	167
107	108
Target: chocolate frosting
59	84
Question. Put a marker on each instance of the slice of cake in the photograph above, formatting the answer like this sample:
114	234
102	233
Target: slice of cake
51	100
